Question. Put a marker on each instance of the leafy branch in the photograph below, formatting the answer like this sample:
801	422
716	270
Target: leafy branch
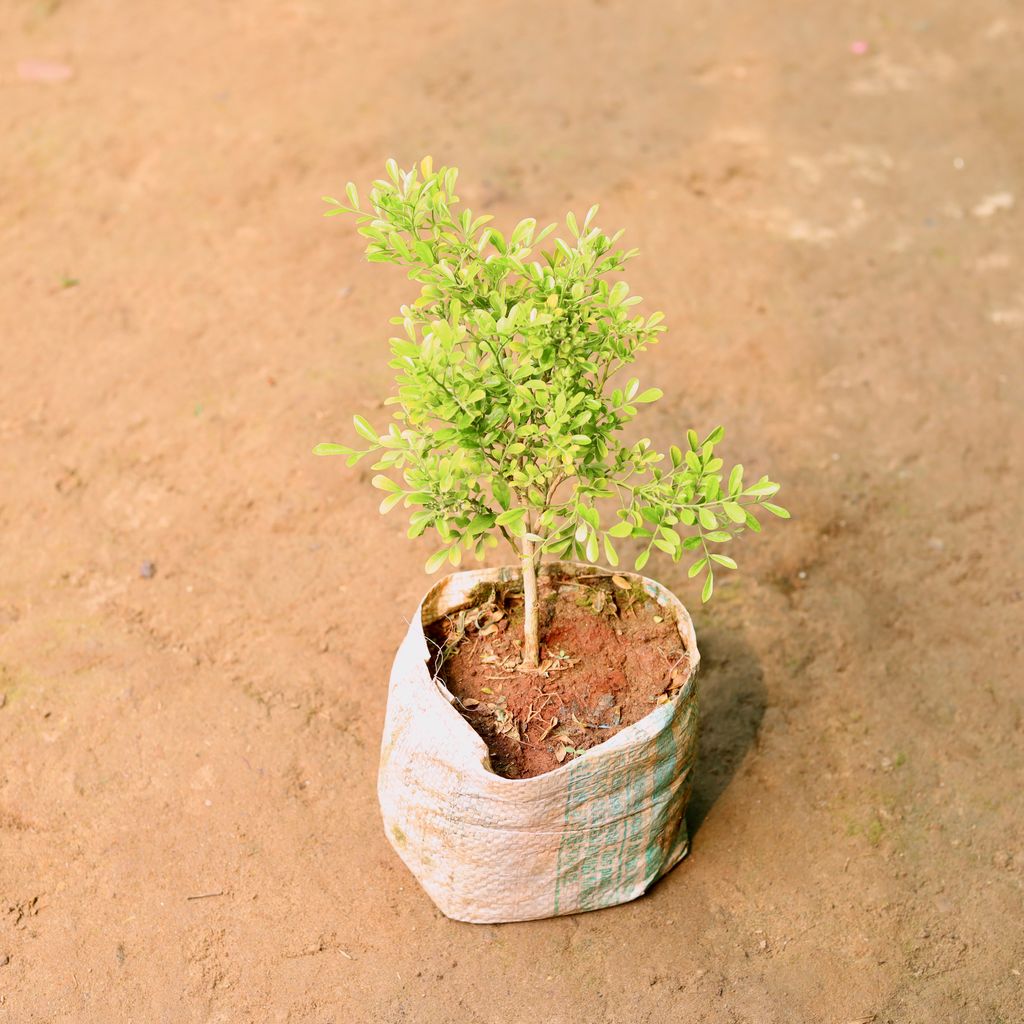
503	368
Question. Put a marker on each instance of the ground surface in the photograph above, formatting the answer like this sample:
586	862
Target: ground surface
835	237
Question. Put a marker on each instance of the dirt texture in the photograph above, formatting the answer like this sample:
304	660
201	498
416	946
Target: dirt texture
608	655
197	618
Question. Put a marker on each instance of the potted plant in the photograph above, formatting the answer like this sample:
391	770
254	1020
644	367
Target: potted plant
508	425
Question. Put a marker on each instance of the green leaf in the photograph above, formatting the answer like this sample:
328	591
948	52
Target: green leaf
592	549
436	560
390	502
364	429
650	395
501	492
736	480
670	535
776	510
513	515
709	588
718	536
513	521
696	567
479	524
734	512
729	563
707	518
326	448
609	550
384	483
621	529
641	560
618	293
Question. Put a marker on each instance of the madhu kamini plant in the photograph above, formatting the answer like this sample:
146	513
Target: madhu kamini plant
509	412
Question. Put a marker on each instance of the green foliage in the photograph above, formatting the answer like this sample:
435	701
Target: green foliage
507	419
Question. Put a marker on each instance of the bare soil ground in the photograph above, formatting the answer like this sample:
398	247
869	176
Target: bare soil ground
829	201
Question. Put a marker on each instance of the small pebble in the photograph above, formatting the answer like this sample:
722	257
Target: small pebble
147	570
5	959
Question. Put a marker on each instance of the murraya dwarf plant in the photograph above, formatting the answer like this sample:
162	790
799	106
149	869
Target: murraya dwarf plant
509	418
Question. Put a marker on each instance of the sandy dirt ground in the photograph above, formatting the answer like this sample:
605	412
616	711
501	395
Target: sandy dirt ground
829	198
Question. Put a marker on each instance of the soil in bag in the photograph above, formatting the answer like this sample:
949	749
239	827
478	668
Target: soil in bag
609	655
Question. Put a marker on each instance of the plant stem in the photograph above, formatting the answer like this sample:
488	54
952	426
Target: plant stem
531	615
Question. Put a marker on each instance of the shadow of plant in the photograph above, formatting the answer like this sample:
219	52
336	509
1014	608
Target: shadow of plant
732	704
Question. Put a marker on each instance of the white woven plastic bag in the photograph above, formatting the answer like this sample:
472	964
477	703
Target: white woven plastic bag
597	831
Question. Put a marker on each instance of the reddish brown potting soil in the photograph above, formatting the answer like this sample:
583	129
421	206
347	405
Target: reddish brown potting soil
609	654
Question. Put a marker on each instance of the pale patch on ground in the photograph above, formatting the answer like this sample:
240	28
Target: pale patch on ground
885	75
866	163
1009	316
999	260
993	204
792	225
1001	28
